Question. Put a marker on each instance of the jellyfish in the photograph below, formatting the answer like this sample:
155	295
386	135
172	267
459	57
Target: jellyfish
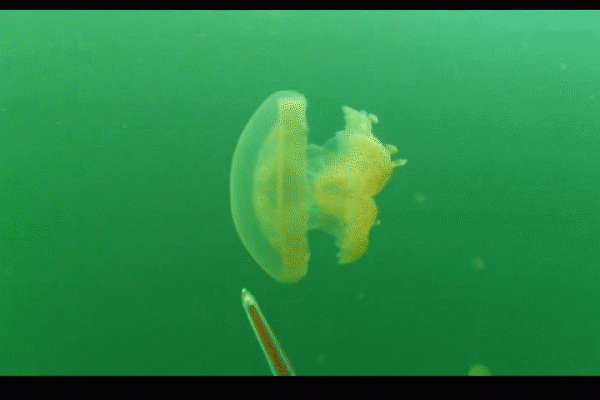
281	186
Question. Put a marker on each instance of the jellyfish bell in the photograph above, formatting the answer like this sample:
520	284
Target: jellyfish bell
268	186
281	186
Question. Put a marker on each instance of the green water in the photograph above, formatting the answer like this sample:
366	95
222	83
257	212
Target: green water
118	253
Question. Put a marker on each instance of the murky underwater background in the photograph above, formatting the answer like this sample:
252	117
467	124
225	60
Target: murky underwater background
118	254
